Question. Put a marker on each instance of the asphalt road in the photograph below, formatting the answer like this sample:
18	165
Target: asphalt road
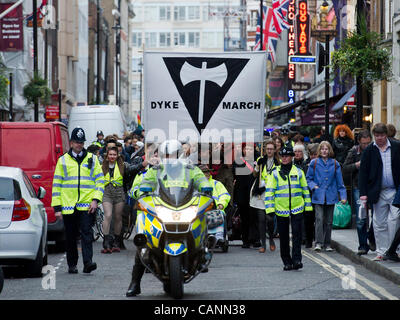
239	274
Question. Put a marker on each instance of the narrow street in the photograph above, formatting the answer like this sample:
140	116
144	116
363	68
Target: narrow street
239	274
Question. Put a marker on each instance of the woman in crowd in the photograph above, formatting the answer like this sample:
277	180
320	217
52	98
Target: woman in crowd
264	167
300	157
278	144
342	143
115	170
309	217
324	178
244	179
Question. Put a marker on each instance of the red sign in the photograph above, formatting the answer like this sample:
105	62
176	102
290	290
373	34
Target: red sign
11	29
52	113
350	102
303	29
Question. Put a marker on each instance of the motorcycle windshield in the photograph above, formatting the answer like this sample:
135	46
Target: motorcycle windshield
175	184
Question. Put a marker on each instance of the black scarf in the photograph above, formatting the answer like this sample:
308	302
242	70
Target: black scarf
285	170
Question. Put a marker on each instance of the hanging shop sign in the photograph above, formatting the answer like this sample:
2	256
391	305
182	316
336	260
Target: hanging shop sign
11	29
324	23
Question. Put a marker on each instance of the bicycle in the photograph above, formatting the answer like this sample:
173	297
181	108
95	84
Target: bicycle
98	224
128	224
128	221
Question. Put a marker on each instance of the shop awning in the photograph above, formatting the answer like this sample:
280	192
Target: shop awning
343	100
284	109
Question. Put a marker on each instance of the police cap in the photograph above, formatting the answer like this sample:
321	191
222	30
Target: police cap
286	151
100	133
78	135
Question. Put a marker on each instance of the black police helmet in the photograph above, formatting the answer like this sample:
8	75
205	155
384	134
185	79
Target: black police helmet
100	133
78	135
286	151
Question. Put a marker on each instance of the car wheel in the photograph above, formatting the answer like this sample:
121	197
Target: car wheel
34	268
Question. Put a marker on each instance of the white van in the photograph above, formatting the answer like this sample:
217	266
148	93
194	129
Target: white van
107	118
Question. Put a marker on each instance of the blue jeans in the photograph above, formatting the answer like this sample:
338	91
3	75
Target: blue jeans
362	224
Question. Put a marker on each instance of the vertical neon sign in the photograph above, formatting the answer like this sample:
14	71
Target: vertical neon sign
303	29
291	49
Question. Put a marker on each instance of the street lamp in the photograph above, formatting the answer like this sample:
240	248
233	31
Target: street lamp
325	34
324	7
261	24
141	77
35	55
117	29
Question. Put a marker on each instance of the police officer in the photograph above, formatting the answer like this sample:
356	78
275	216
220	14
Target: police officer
100	139
221	198
78	187
169	152
288	196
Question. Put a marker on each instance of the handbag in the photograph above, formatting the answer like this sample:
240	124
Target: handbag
341	216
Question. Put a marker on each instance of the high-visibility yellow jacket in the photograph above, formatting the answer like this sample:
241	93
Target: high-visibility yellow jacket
117	180
220	194
76	185
290	196
265	172
195	174
98	143
134	192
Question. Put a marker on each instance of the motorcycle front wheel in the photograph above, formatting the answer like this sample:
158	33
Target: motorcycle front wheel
175	277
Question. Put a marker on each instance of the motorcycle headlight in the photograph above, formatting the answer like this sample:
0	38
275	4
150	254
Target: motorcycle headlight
171	216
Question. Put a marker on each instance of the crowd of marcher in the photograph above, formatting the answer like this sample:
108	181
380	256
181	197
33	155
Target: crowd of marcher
289	174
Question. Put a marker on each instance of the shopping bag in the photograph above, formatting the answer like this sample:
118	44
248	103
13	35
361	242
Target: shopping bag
341	216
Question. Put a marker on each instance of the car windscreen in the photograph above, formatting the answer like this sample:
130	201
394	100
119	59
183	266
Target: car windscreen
9	189
175	184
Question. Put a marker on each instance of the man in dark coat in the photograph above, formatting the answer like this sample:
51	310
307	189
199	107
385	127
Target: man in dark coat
379	179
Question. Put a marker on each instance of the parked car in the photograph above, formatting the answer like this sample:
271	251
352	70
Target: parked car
35	148
107	118
23	222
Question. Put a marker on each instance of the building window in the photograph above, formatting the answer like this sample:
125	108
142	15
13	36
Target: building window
180	13
165	39
179	39
213	13
193	13
137	39
194	39
151	39
136	90
212	39
165	13
253	18
138	13
208	39
150	13
136	67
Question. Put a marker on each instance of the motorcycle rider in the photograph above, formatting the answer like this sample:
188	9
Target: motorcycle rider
221	198
169	152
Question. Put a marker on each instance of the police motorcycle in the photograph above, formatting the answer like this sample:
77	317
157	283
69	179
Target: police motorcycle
171	229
